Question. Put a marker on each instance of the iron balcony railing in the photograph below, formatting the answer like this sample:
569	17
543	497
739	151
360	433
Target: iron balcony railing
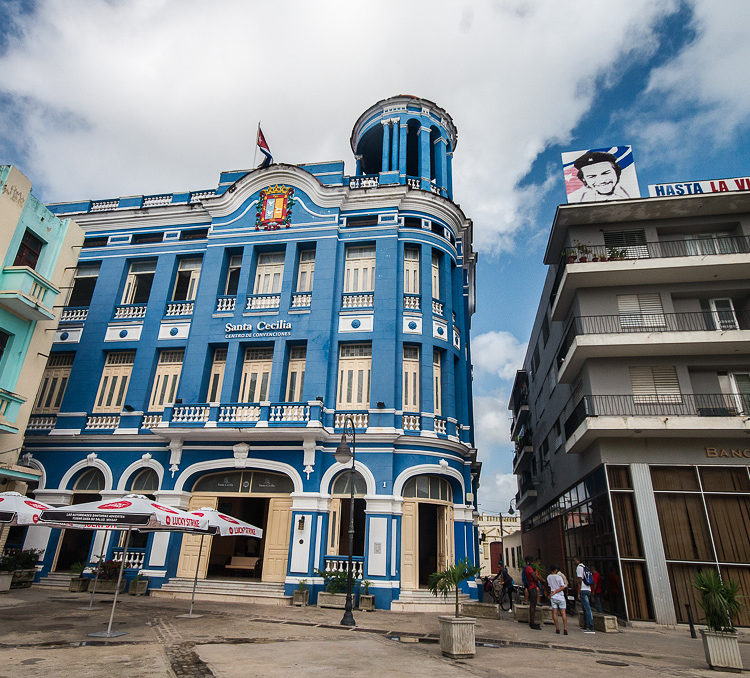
658	405
633	323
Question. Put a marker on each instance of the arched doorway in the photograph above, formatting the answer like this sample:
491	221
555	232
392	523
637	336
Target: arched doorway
426	529
145	482
261	498
74	545
339	511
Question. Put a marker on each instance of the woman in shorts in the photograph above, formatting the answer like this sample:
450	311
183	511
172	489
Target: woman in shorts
557	585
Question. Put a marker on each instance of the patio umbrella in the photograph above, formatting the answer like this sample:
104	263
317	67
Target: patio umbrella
133	511
16	509
222	525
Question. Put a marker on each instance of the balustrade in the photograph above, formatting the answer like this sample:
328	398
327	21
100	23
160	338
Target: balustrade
232	414
357	300
151	421
301	299
262	301
367	181
102	205
200	195
41	423
290	412
336	564
190	414
440	425
103	422
130	311
175	308
134	560
411	422
360	419
74	314
225	303
157	200
438	307
412	302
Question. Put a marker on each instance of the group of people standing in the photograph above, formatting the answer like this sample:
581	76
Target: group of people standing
588	587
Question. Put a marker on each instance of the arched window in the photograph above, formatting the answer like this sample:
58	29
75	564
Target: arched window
370	147
434	136
342	487
250	482
428	487
91	480
145	482
412	148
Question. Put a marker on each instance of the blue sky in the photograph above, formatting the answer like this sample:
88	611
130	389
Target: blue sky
99	99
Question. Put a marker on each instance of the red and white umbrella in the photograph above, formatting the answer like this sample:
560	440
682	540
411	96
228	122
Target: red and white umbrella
220	525
16	509
133	511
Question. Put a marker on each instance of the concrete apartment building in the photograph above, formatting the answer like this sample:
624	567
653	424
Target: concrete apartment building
38	253
631	415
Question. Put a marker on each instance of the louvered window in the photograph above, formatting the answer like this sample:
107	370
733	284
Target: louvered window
54	382
437	379
355	362
627	244
166	380
216	378
306	271
113	385
256	375
640	310
295	380
269	273
410	379
359	273
411	270
655	385
435	276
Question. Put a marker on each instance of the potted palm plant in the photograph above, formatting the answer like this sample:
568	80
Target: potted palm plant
78	583
301	596
457	638
138	585
719	600
335	593
366	599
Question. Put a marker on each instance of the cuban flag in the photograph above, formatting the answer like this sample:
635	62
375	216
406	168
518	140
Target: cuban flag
263	147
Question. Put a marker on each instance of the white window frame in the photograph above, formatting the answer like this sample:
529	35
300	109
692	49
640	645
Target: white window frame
54	382
166	379
235	265
410	379
216	376
114	382
188	271
269	273
724	319
741	397
295	378
359	268
355	366
435	275
411	270
137	269
256	375
306	270
83	271
437	381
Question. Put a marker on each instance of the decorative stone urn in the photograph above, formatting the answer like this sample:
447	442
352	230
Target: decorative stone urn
722	650
457	638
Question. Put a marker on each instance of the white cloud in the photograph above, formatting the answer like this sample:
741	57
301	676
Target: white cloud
151	96
491	427
498	353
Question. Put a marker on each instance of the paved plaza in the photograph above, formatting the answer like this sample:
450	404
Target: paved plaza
44	633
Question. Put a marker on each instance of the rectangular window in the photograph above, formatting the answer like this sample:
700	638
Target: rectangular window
4	339
83	285
655	385
354	376
256	375
545	330
710	243
166	380
411	270
722	311
295	380
233	274
188	274
410	379
359	273
216	378
138	283
437	380
741	391
269	273
640	310
305	271
28	251
54	381
113	385
626	244
435	275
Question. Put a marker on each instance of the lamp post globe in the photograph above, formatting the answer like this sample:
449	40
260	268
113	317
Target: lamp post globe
344	454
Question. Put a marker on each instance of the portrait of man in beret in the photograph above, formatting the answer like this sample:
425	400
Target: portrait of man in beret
597	175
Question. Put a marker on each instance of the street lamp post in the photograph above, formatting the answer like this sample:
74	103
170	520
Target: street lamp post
343	454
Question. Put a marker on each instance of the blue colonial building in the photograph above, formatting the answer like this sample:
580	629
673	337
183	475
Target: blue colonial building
213	343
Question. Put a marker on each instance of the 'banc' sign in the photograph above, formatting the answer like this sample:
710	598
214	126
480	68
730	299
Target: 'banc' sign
278	328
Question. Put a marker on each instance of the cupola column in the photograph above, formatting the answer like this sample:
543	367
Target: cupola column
386	144
424	157
441	159
402	150
358	166
394	145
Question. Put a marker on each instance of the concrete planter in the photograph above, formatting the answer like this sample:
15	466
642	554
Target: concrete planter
22	579
301	598
109	586
366	601
78	585
605	623
722	650
138	587
543	614
484	610
336	600
457	639
5	580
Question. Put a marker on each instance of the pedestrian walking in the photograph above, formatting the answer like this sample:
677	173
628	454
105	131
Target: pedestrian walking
584	582
557	585
531	583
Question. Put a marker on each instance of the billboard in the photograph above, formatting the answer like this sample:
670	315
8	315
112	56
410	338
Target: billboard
600	174
699	187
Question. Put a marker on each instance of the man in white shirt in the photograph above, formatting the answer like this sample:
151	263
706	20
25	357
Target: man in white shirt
557	585
583	593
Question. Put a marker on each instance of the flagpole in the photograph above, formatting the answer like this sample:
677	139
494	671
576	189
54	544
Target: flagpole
255	153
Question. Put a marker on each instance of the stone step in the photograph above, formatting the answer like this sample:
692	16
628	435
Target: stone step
55	580
269	593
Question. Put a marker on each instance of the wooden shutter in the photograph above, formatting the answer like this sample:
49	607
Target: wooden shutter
410	379
216	378
54	382
409	546
277	534
295	380
437	382
256	375
354	376
114	382
655	385
411	270
269	273
640	310
166	379
359	273
306	271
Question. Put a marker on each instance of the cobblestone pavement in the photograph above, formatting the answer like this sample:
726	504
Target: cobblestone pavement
43	632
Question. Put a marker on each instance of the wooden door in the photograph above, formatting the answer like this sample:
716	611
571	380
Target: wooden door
450	536
278	527
334	520
191	543
409	546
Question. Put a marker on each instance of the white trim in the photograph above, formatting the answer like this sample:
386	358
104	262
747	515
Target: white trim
229	463
154	573
136	466
421	469
86	463
35	463
336	467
